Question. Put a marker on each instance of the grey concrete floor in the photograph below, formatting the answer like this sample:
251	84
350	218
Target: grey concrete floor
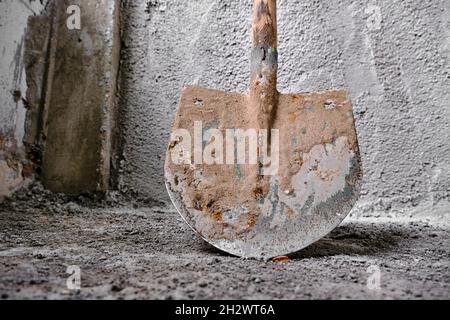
134	252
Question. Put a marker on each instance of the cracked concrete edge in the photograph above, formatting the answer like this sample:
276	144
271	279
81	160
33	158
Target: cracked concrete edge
110	115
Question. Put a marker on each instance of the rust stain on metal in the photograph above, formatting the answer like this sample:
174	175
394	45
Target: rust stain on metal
292	117
281	259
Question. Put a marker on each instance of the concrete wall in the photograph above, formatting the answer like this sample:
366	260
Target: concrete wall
58	89
392	55
80	110
14	167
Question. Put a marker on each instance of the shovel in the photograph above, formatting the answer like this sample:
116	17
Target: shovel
263	174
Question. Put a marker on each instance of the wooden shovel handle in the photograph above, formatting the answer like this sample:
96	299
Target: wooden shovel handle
265	23
264	63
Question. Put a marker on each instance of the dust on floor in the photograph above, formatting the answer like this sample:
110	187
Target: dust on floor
149	253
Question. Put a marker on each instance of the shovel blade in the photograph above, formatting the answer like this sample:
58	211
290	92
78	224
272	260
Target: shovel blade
230	205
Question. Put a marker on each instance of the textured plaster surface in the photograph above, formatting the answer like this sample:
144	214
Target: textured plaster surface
392	56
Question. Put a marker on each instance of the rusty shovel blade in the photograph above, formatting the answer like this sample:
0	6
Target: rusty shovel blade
263	174
317	182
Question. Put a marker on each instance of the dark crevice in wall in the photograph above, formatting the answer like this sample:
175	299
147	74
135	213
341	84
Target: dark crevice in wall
120	161
116	143
121	112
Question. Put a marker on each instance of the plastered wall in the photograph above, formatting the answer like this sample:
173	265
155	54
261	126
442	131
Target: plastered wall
392	55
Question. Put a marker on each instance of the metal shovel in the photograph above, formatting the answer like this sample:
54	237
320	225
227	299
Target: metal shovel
263	174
